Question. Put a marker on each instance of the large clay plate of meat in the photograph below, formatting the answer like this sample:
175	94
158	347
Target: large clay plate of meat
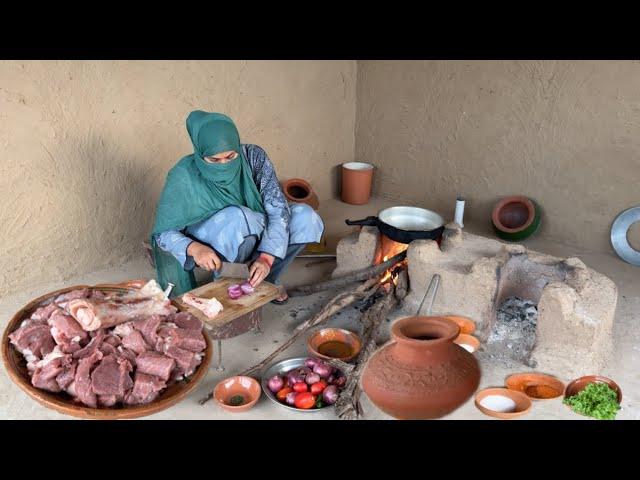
16	367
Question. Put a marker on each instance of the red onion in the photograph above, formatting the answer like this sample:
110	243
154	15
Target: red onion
304	371
290	399
275	383
246	288
293	377
312	378
330	394
331	379
311	362
323	369
234	291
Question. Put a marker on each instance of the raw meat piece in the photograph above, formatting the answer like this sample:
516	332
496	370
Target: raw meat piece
48	369
43	313
93	313
98	294
71	390
126	353
108	378
72	295
112	339
83	379
211	307
92	346
123	329
148	328
187	320
107	349
188	339
33	339
65	329
146	388
135	341
107	400
67	377
153	363
186	361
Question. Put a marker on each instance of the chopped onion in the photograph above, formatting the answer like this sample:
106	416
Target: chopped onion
234	291
247	288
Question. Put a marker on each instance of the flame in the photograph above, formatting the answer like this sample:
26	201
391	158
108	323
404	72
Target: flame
387	249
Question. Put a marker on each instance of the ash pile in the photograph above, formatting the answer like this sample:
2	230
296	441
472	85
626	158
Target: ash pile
514	333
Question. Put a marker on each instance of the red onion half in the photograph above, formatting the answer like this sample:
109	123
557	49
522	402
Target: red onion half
246	288
234	292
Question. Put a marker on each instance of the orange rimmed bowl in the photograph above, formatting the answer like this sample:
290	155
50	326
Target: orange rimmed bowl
522	403
536	386
579	384
467	326
341	335
239	387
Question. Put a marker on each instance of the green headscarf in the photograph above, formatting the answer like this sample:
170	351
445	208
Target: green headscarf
195	189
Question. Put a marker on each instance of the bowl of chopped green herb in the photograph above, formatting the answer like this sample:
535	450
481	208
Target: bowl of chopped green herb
594	396
237	394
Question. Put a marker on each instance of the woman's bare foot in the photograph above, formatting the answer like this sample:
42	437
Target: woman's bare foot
283	297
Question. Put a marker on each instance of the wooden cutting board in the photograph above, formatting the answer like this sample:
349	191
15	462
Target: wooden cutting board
232	308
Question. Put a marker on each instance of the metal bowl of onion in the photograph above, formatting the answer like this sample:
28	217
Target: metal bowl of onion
311	375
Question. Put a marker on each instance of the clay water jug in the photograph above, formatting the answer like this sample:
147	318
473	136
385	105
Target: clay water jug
421	373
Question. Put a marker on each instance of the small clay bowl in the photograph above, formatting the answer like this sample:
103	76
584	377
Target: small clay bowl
467	326
523	403
247	387
536	386
580	384
469	340
334	335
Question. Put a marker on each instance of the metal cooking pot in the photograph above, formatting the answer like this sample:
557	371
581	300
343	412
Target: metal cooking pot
405	224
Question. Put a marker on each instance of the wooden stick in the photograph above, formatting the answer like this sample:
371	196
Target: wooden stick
337	303
363	292
348	405
353	277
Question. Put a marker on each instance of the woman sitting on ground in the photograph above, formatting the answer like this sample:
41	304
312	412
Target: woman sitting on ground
224	203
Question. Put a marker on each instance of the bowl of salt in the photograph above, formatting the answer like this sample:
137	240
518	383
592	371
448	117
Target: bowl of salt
502	403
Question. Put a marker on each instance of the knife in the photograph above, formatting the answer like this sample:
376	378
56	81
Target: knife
234	270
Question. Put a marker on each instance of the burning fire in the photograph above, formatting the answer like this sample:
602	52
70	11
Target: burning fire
387	249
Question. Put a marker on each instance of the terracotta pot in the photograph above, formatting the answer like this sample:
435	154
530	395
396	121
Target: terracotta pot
357	178
421	374
298	190
515	218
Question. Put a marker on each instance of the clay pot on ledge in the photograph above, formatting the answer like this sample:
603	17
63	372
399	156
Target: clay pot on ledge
421	374
298	190
515	218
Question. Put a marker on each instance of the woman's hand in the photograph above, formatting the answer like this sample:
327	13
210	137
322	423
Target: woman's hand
204	256
260	269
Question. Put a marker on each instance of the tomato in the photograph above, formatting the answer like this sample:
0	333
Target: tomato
305	400
318	387
300	387
282	393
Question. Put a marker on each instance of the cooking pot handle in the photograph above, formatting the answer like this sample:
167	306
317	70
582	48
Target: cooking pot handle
369	221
